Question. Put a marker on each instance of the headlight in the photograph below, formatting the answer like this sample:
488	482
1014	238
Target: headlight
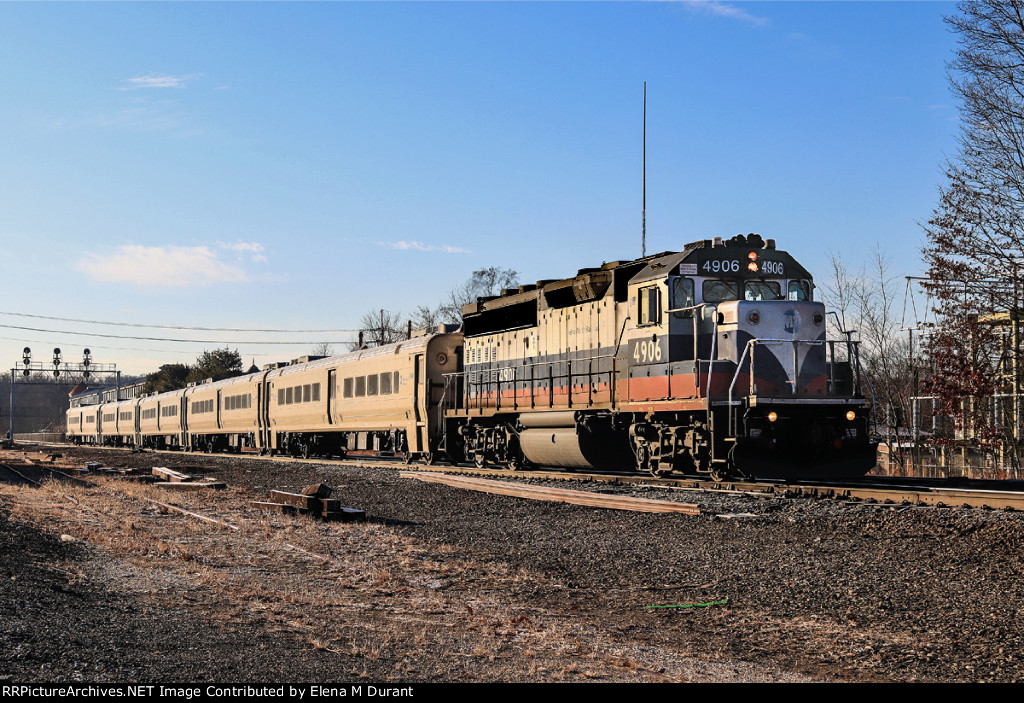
773	416
850	415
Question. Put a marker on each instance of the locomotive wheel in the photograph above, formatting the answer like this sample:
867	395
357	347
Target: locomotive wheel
480	461
643	458
660	470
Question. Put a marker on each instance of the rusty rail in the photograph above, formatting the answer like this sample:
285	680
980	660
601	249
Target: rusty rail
558	495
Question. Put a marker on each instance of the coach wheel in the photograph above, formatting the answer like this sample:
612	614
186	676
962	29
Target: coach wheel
305	451
428	458
479	460
407	457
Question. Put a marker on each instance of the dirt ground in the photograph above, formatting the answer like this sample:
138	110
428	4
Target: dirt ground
100	582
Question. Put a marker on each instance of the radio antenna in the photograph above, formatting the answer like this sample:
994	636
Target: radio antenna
643	212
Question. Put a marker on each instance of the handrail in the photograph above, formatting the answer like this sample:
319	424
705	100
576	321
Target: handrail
852	347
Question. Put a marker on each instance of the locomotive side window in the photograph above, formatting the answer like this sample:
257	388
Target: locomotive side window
762	290
650	305
683	297
799	290
716	291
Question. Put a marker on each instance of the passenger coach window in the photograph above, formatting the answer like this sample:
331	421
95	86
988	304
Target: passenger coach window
371	385
650	305
385	384
360	386
717	291
683	297
347	388
762	290
799	290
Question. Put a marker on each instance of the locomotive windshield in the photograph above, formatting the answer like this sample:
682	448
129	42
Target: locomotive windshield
762	290
799	290
716	291
683	297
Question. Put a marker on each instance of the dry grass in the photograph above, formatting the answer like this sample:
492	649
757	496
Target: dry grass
355	590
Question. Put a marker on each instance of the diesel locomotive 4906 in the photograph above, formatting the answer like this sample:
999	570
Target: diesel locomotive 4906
713	360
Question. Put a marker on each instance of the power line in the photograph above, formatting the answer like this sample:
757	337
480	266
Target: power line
23	340
168	327
156	339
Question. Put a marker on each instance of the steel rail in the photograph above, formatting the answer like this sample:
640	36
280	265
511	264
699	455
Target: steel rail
867	490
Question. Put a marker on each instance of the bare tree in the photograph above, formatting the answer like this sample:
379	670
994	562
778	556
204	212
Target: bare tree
426	317
384	326
975	238
483	283
322	349
865	302
380	327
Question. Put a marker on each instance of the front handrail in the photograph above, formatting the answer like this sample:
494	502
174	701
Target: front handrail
853	357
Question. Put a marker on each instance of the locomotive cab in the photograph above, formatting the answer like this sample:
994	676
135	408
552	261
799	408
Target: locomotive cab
730	360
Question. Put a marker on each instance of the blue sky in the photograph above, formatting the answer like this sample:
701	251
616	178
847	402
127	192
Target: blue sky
293	165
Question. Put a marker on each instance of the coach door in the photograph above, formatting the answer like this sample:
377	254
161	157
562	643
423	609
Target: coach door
332	394
418	402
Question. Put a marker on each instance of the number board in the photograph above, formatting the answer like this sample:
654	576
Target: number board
725	267
734	261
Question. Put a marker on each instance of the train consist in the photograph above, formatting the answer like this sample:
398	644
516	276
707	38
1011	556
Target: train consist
713	360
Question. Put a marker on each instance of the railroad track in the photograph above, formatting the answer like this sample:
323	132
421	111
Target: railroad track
8	474
872	490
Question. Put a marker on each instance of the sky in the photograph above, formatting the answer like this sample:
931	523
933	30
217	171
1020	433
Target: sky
292	166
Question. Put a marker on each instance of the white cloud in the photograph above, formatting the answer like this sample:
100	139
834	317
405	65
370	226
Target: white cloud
420	246
161	266
253	249
154	80
721	9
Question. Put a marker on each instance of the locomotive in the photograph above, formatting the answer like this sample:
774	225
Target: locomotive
712	361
